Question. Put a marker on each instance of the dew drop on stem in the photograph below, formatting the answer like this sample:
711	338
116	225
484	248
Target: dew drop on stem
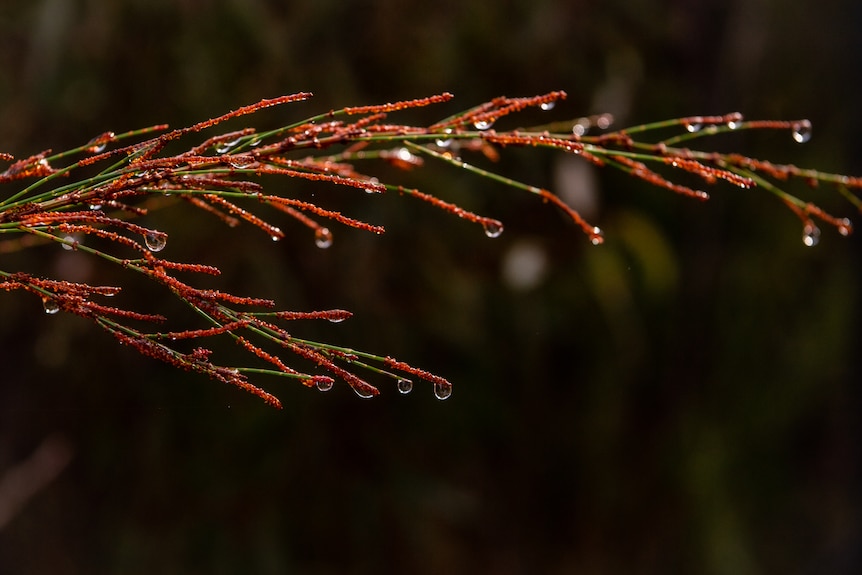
442	390
322	238
444	142
734	120
547	106
493	228
324	383
156	241
405	386
483	124
50	304
69	243
801	131
225	147
693	125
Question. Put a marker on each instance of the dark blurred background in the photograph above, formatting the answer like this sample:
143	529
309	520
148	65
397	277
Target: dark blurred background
683	399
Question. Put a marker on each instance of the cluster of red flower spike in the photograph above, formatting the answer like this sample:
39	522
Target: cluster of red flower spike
220	171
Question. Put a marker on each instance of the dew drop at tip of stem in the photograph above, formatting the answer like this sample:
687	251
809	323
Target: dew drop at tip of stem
801	131
442	390
405	386
810	235
547	106
363	393
493	228
50	304
322	238
156	242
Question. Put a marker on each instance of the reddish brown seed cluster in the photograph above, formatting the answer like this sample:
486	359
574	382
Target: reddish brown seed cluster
33	167
453	209
709	173
516	139
393	363
640	170
394	107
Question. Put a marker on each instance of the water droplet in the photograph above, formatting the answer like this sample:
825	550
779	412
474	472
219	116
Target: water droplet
50	304
364	392
254	142
95	207
483	124
225	147
371	189
801	131
404	155
547	106
69	243
405	386
444	142
98	144
240	162
324	383
337	319
322	237
493	228
581	127
734	120
604	121
442	390
156	241
845	227
596	236
810	234
693	125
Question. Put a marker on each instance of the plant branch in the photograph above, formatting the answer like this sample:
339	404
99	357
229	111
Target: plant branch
106	186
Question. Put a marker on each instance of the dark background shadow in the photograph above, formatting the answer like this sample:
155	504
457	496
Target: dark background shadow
683	399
